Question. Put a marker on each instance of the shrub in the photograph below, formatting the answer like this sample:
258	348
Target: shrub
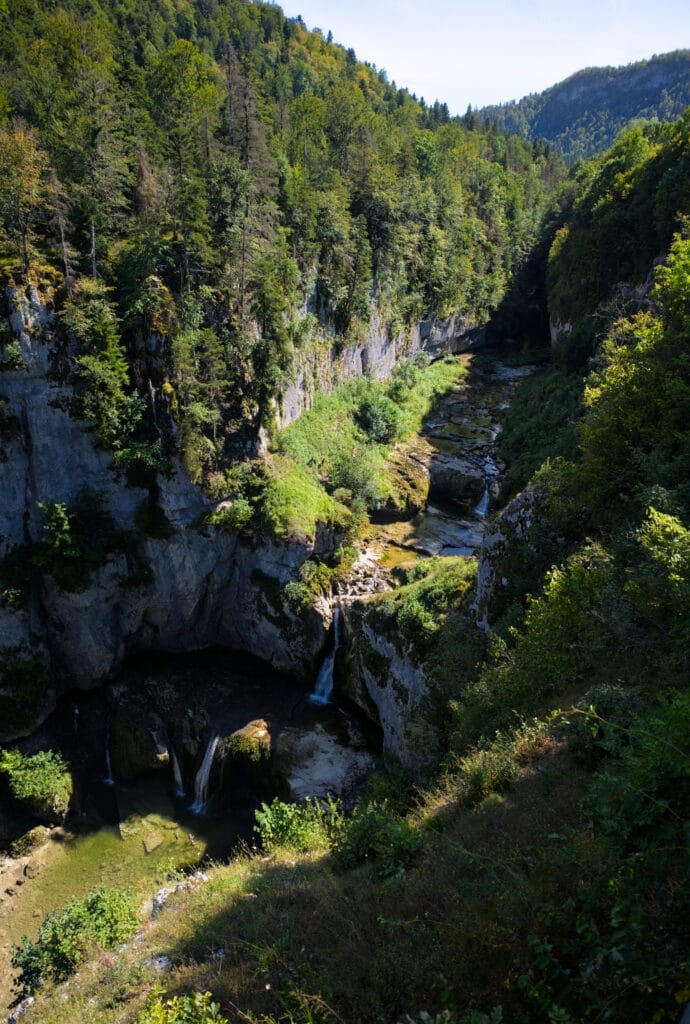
304	826
104	917
234	516
192	1009
599	724
42	780
75	541
379	418
374	833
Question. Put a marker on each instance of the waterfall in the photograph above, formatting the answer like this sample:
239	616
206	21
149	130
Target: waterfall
324	683
490	473
202	778
108	780
177	774
483	507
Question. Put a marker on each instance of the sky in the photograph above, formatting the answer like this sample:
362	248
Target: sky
490	51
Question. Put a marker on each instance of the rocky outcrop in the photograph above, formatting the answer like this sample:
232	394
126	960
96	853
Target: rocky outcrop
197	587
327	363
201	585
558	331
381	679
511	526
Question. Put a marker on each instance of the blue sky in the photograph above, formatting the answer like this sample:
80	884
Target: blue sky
491	51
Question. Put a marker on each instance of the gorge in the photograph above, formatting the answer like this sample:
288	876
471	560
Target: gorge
344	536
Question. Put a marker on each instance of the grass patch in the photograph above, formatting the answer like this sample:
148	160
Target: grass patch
294	502
343	442
417	610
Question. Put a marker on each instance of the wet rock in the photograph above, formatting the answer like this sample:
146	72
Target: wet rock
456	478
320	765
160	898
511	526
246	762
134	731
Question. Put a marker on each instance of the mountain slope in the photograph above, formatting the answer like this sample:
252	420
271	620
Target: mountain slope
583	114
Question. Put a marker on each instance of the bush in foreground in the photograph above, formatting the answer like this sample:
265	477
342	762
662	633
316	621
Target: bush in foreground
41	780
103	918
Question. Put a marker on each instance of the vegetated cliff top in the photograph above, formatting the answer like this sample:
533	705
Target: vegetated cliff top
583	114
235	184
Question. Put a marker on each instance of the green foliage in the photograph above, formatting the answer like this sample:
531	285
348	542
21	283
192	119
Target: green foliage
234	517
306	826
23	184
102	372
646	795
379	418
373	833
540	424
599	725
42	780
344	439
74	542
417	610
236	163
23	685
315	580
197	1008
104	917
567	634
626	210
293	501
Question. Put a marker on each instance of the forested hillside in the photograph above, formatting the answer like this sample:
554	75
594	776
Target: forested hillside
219	178
583	115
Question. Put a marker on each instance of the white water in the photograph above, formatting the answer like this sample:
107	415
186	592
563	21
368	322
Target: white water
108	780
490	473
483	507
324	683
202	778
177	774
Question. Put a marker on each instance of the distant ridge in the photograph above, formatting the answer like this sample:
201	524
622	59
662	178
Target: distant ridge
583	114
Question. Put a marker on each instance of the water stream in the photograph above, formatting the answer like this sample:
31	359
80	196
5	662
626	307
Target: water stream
458	441
200	804
108	780
177	774
323	689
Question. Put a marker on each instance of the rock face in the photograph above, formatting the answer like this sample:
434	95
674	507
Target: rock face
511	526
382	680
202	586
324	365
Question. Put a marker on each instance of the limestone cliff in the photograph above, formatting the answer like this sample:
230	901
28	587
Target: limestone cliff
201	587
